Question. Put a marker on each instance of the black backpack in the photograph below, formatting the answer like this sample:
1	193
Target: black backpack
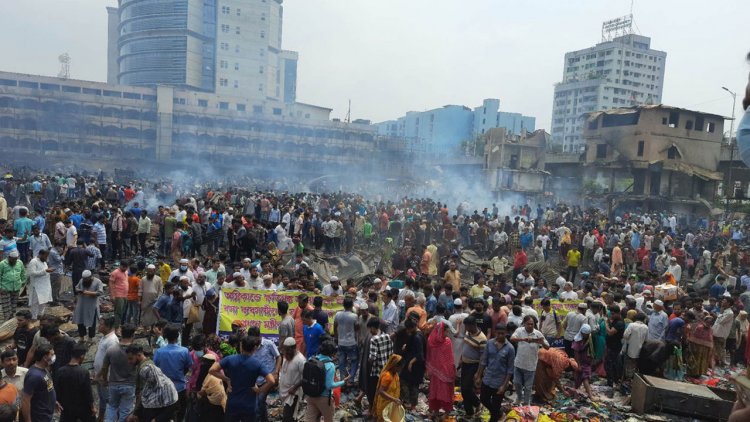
314	377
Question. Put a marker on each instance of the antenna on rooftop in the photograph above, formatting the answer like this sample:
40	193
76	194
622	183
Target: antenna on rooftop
64	60
349	113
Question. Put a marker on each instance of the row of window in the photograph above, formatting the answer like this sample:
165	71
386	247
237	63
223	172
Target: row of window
77	89
226	10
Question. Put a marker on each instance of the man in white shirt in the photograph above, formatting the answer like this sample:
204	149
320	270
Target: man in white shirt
675	269
721	328
290	380
12	373
560	280
528	340
390	312
633	338
333	289
109	339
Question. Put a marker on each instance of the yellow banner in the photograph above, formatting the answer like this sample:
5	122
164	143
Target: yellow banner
561	307
258	308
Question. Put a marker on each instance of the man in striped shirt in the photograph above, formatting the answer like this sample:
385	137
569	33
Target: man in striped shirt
381	348
100	234
471	352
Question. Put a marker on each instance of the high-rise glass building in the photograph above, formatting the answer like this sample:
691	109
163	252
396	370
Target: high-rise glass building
227	47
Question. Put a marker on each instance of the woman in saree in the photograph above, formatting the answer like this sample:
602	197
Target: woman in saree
549	369
389	387
442	371
700	343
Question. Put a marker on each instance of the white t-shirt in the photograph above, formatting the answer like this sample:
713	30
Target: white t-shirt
70	236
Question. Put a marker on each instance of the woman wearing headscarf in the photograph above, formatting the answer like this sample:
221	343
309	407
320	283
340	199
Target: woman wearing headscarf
700	341
442	371
583	349
389	387
434	260
550	367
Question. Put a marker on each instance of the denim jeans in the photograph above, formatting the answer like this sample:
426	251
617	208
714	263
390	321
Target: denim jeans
102	392
348	354
121	402
523	381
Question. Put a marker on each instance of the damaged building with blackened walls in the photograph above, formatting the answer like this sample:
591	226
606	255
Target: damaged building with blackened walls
514	163
654	157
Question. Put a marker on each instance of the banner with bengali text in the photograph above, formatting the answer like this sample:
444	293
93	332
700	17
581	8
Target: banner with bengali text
560	307
258	308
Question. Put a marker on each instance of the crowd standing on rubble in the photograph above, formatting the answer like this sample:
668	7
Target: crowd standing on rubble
657	293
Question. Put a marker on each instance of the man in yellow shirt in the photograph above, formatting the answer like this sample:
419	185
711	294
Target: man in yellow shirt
574	257
453	277
477	290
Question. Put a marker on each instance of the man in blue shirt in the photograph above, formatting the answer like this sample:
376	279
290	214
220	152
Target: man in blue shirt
718	289
323	406
23	226
174	361
240	373
168	307
270	359
312	332
495	369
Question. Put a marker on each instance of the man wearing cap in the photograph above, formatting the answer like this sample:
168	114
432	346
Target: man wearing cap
657	322
290	380
238	282
182	270
149	291
333	289
12	278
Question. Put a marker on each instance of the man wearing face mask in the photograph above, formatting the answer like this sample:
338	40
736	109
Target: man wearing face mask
183	270
39	400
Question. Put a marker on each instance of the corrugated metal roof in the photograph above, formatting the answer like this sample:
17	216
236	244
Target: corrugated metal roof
633	109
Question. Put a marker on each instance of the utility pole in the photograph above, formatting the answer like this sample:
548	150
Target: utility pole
731	148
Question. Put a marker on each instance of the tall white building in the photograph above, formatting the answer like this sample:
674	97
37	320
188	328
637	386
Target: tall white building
620	71
227	47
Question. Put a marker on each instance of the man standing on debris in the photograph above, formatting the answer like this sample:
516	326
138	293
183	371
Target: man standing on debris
528	341
495	369
39	288
12	278
118	289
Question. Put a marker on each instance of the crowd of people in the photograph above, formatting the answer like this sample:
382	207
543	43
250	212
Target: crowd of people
161	254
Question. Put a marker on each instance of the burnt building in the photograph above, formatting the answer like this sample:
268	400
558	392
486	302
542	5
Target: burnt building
515	163
654	157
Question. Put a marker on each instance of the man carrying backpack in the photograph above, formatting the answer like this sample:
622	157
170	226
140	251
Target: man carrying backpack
318	383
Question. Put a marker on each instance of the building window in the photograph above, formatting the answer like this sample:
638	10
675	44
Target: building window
641	146
236	83
224	46
260	70
674	118
223	64
225	10
223	105
237	48
239	12
260	87
673	153
257	109
225	28
710	127
698	123
601	151
689	125
236	66
240	107
223	82
202	103
262	52
277	112
237	30
262	34
263	16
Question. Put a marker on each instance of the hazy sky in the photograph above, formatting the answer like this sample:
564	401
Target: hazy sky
392	56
